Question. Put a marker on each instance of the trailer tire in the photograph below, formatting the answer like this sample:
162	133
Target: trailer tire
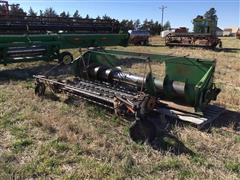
65	58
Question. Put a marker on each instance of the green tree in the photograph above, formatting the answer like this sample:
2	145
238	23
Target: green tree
167	25
211	15
32	13
116	23
50	12
76	14
151	26
87	17
64	14
17	11
130	25
98	18
145	25
126	25
137	24
106	17
41	13
68	14
157	28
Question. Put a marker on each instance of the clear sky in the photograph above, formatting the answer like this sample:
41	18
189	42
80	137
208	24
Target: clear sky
178	12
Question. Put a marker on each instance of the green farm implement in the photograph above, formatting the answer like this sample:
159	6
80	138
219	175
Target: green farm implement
184	92
204	35
23	48
10	24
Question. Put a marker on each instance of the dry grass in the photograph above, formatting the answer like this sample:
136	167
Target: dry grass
49	138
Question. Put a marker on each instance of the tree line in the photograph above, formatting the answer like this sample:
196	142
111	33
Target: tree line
154	27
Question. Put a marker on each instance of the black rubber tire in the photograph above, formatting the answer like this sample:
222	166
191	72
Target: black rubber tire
142	131
65	58
40	89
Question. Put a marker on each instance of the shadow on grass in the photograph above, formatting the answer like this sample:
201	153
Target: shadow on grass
228	50
156	45
166	141
170	143
52	96
27	73
229	119
156	131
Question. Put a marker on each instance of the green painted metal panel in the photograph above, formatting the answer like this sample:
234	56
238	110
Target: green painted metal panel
66	41
92	40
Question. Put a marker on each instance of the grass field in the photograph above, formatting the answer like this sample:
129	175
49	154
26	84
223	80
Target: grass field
51	138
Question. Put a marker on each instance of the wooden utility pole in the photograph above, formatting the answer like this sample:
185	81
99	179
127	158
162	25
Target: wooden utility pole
162	9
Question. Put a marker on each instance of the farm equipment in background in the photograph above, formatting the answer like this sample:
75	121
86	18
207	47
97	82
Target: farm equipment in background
25	48
11	23
238	34
139	37
31	38
39	24
183	93
204	35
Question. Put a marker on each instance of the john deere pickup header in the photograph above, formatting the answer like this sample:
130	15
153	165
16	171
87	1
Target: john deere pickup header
183	93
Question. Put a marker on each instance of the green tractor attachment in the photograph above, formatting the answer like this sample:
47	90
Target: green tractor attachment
187	81
24	48
183	93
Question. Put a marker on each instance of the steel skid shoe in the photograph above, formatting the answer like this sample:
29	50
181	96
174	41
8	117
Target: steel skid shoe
40	88
143	130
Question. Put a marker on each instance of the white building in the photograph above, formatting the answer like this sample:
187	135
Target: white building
166	32
230	31
219	32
